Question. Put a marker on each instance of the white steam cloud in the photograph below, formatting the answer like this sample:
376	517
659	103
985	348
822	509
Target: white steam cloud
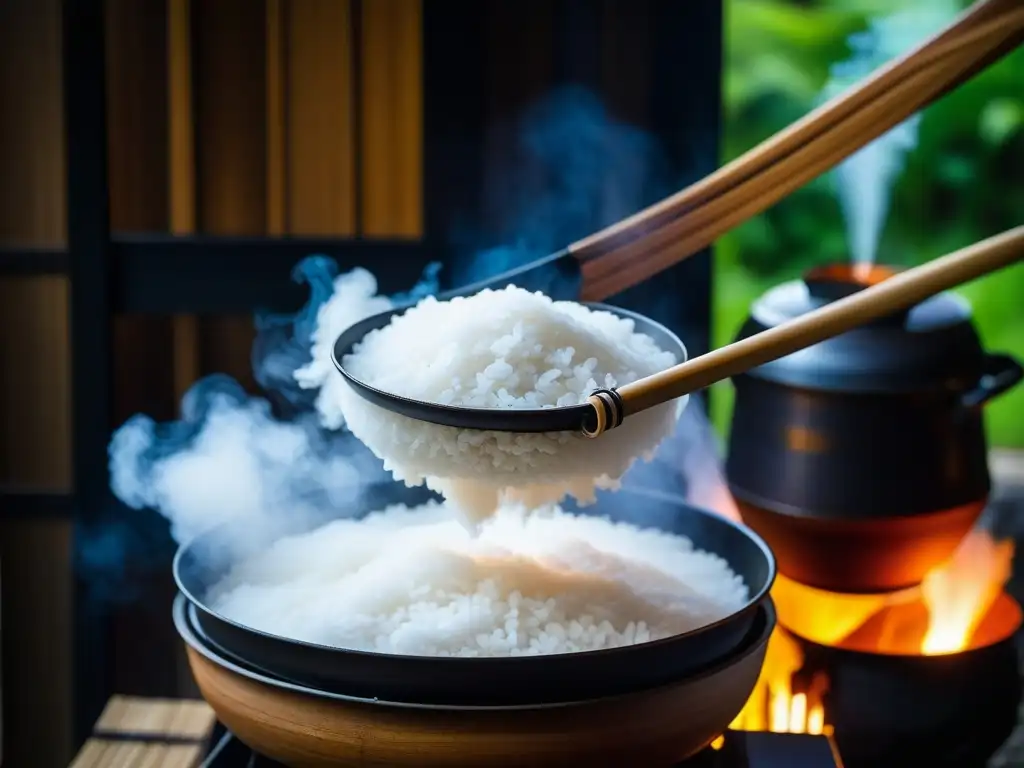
242	465
864	181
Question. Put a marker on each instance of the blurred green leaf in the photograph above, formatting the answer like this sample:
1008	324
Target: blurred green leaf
955	170
1000	119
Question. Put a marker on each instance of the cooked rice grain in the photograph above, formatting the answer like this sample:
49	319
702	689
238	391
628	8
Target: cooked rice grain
415	582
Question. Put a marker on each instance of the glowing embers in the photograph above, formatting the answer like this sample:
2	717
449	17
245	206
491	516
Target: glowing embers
857	274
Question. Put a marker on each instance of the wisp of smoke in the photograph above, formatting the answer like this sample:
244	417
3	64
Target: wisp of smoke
278	463
573	168
864	181
283	342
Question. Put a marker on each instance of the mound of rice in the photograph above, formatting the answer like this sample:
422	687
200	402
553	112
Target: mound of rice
416	582
504	349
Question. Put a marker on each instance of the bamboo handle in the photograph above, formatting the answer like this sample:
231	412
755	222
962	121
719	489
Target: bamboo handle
986	31
898	292
639	260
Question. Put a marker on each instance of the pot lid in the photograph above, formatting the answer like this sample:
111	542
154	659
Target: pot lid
933	345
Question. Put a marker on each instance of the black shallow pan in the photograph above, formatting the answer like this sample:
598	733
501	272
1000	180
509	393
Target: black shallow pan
498	681
183	612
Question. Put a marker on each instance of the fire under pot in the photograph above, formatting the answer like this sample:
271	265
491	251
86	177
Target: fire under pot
863	462
891	678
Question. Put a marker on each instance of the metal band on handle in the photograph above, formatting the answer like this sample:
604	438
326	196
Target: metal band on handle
609	411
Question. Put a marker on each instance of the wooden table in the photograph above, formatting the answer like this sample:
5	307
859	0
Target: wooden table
148	733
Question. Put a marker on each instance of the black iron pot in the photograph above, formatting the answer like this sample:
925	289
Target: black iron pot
862	460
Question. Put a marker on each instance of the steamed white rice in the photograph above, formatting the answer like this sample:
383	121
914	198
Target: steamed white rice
504	349
415	582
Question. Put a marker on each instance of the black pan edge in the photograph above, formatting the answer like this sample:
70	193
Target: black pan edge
763	626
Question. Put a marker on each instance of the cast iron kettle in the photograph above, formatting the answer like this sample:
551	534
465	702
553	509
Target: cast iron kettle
862	460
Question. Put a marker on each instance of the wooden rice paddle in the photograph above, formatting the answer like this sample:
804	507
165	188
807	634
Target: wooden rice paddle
644	244
898	292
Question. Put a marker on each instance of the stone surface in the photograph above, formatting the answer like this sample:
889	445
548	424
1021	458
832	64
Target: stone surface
1008	509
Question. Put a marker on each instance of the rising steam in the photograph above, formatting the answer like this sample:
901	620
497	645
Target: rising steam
233	458
864	181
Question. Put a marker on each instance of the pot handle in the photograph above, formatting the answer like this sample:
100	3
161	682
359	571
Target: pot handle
1000	373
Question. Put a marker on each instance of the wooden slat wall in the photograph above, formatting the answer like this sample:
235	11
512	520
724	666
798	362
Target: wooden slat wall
229	50
34	448
34	395
180	164
143	134
391	144
181	176
139	197
260	140
235	117
315	117
277	203
273	105
276	122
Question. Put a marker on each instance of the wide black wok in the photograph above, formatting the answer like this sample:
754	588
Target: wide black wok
504	681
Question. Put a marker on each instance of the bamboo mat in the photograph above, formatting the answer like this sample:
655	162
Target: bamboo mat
148	733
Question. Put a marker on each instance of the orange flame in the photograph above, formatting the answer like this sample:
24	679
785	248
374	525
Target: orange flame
774	705
959	594
941	616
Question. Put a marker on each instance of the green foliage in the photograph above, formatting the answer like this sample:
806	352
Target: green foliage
963	182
